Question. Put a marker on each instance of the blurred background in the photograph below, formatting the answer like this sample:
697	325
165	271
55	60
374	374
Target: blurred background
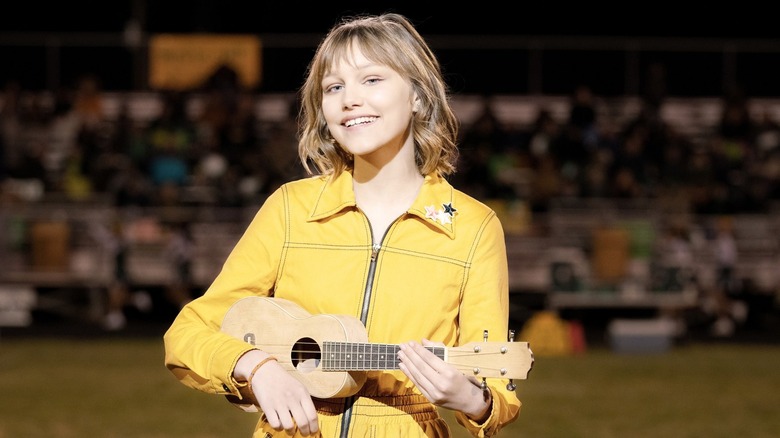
633	157
631	152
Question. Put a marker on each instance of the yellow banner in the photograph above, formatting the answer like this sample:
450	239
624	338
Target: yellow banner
184	62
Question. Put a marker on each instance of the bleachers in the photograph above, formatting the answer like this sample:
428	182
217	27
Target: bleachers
567	226
689	116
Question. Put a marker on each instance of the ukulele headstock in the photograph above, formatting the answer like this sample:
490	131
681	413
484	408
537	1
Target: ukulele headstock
507	360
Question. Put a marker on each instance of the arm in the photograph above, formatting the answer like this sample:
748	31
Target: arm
484	306
204	358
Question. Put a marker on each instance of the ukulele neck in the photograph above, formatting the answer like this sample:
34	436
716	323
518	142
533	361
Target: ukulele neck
348	356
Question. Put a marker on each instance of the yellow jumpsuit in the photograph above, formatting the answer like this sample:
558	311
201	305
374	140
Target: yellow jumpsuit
431	276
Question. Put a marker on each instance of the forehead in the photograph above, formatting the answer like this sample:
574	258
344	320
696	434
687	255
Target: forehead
352	55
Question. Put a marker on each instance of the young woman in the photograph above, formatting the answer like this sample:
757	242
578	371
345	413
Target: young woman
377	234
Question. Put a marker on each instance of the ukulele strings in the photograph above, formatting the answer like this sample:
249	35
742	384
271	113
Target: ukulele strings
373	350
304	353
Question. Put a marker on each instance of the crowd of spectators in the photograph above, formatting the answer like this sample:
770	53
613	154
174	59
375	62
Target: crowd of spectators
64	144
68	148
733	168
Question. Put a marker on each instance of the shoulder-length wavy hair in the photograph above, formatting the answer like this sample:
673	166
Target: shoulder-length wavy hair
388	39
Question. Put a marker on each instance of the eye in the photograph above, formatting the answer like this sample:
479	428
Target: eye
333	88
373	80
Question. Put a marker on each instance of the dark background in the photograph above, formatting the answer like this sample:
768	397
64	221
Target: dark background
674	19
484	47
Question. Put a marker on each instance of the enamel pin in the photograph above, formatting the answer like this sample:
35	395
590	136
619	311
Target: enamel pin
443	215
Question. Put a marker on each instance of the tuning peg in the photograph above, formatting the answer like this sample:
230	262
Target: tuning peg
511	385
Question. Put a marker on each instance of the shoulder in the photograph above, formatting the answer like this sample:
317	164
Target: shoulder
438	196
473	204
304	188
478	216
301	187
309	183
477	210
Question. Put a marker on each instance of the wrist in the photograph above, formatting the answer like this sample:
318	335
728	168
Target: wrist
483	409
244	371
247	363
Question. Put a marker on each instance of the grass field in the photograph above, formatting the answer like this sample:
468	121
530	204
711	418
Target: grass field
118	387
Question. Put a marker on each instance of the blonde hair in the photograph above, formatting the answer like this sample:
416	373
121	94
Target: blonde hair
388	39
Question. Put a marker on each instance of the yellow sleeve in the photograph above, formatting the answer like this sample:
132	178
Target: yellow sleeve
197	353
485	306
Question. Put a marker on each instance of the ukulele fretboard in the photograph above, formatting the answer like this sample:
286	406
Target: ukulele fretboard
347	356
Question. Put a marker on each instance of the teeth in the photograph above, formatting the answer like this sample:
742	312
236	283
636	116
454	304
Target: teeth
359	120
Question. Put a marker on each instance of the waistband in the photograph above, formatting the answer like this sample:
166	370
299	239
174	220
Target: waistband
396	406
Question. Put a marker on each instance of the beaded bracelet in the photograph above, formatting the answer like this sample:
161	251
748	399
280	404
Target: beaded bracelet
252	376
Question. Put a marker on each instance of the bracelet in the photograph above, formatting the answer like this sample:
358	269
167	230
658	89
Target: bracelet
252	376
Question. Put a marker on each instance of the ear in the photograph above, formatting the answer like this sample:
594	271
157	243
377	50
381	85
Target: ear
416	104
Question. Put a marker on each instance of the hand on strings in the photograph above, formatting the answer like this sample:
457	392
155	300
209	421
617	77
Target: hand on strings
441	383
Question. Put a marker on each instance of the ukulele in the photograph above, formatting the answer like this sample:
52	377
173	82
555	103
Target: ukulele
330	354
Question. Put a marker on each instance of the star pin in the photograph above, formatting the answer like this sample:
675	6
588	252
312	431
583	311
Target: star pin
430	212
449	209
444	216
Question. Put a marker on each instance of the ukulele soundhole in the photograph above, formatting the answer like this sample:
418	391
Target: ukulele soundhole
306	355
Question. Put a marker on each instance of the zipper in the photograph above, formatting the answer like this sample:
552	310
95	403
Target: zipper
369	283
375	247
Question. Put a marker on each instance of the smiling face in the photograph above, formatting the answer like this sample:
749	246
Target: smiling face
368	108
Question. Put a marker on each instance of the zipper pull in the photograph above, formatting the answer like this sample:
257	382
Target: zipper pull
374	251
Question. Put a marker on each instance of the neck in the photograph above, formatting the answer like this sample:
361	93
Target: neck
386	180
386	194
386	163
381	177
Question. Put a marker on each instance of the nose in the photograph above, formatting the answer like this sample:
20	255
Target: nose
351	97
